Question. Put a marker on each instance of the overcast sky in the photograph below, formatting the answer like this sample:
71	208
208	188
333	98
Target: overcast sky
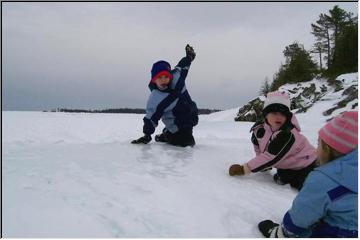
99	55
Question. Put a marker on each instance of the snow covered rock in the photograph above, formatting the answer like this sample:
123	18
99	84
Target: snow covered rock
342	94
251	111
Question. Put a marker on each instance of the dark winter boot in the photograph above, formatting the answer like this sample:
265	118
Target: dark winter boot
160	138
181	138
190	142
277	179
270	229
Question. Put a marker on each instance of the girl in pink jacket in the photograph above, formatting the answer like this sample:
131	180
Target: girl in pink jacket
278	143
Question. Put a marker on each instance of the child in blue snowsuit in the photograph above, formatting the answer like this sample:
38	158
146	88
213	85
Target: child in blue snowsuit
327	205
170	101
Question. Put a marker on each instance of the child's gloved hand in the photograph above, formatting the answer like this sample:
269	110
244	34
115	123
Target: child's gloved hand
270	229
236	169
144	139
190	52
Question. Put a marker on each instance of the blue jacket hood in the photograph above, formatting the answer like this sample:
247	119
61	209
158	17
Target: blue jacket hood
343	170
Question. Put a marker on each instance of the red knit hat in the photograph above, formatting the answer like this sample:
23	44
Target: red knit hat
341	133
160	68
166	73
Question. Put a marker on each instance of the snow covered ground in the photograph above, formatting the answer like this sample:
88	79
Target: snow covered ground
77	175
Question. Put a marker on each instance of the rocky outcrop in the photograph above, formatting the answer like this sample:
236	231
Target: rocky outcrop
343	91
350	94
251	111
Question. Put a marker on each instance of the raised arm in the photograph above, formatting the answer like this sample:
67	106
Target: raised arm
190	56
181	70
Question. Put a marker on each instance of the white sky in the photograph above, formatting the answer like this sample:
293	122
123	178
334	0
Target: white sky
99	55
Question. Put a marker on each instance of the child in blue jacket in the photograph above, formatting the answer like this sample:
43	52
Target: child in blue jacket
327	205
170	101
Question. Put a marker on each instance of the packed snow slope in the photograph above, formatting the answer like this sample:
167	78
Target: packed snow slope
77	175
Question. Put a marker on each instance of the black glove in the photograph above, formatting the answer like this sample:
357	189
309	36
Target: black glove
190	52
270	229
144	139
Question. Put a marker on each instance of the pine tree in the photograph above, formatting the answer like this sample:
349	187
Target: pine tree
321	31
319	48
265	88
280	77
338	19
299	66
344	27
327	30
346	51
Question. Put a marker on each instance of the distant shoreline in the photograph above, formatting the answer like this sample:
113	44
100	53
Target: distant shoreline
120	110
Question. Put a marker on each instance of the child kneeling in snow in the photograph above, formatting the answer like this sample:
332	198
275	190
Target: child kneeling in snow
327	205
278	143
170	101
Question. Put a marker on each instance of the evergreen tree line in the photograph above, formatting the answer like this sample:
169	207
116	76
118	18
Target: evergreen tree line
336	42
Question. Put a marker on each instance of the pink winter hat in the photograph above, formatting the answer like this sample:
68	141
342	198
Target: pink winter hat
277	102
277	98
341	133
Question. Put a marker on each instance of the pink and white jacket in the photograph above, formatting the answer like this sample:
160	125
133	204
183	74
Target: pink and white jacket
286	148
